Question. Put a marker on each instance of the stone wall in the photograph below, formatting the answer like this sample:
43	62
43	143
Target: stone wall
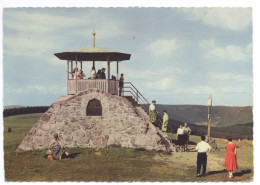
120	124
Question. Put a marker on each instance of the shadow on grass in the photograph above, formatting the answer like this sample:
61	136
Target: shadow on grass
71	156
176	142
216	172
242	172
239	174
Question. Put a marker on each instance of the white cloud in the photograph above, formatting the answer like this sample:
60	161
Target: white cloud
31	22
163	47
229	52
231	77
249	49
41	89
235	19
160	84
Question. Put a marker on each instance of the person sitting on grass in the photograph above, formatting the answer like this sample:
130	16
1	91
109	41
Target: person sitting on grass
56	149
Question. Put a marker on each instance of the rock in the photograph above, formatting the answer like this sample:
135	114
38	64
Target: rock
45	117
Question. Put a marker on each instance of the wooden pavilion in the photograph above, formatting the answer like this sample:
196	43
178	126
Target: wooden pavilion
75	58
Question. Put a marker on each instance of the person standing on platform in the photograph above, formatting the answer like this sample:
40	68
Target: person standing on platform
93	73
121	84
152	113
180	138
165	122
186	132
98	76
203	149
230	157
103	74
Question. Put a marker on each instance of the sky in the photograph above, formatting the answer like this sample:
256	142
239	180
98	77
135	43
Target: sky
178	55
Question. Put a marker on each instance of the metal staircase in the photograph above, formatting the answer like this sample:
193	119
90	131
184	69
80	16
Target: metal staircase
131	93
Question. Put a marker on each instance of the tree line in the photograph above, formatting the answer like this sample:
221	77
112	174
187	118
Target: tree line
25	110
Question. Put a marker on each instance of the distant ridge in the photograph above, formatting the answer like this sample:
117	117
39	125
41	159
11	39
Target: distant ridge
222	116
12	106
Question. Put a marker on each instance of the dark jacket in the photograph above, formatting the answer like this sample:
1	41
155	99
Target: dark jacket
103	75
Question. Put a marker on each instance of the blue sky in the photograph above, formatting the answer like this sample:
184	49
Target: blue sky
178	55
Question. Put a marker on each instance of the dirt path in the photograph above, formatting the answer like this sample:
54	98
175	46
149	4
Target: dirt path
187	160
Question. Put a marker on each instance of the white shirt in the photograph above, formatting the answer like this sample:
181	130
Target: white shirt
93	74
180	131
203	147
152	107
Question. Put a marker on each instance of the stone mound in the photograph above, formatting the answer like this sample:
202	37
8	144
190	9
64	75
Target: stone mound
118	123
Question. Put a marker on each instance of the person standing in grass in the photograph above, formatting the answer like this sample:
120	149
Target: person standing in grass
152	113
165	122
203	149
186	132
230	157
180	137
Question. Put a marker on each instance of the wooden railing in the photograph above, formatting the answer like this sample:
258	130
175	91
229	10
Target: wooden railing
76	86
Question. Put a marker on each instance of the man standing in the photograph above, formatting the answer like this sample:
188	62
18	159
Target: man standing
203	149
103	74
186	132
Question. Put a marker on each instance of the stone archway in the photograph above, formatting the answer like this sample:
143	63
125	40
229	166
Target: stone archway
94	108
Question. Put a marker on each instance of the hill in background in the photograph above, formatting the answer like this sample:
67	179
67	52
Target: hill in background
12	106
222	116
240	131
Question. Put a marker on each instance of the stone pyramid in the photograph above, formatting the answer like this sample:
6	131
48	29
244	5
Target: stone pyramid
115	121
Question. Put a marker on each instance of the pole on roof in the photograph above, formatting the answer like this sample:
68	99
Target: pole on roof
94	43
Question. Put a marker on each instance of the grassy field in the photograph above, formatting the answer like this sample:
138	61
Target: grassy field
114	163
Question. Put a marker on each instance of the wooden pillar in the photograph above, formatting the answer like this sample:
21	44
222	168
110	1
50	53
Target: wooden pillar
76	75
81	65
67	69
108	69
117	70
71	66
108	76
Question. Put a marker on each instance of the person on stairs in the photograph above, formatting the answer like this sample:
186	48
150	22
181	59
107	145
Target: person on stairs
152	113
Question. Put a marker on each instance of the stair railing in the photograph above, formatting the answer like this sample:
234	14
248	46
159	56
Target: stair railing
139	98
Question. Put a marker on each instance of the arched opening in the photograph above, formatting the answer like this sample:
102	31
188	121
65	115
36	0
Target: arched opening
94	108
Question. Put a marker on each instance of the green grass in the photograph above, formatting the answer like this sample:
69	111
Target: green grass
108	164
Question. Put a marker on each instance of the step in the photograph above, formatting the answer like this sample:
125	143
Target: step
131	99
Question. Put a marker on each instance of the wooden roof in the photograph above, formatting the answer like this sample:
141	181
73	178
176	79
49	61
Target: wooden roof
93	54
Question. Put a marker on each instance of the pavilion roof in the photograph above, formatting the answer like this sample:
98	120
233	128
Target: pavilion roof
93	54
